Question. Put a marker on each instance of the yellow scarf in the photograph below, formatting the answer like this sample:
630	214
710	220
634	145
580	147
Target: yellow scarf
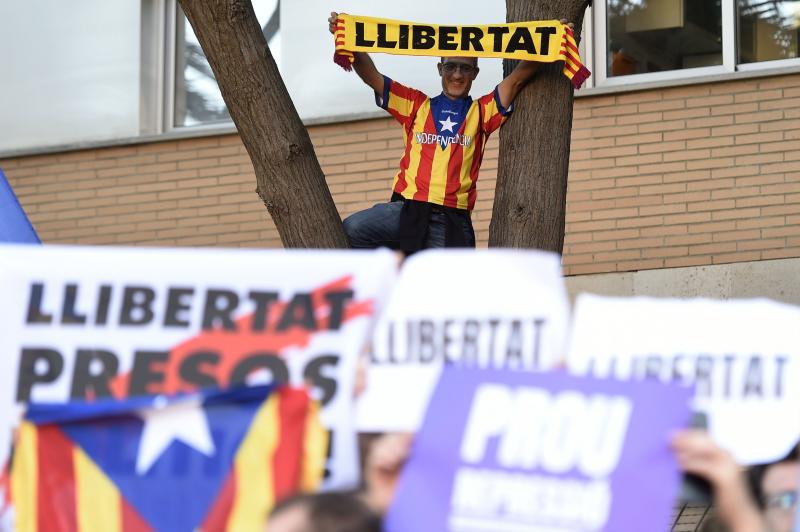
545	41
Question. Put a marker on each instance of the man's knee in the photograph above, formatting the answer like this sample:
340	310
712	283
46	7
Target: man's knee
373	227
353	225
358	230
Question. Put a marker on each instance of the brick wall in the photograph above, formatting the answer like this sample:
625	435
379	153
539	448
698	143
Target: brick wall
197	192
688	176
684	176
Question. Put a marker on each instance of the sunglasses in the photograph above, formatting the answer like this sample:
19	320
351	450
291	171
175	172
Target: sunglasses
464	68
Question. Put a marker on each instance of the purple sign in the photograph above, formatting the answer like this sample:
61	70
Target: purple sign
506	451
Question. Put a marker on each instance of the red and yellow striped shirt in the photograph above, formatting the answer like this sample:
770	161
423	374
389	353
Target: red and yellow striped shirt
444	142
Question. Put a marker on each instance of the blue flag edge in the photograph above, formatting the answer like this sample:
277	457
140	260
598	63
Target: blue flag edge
14	223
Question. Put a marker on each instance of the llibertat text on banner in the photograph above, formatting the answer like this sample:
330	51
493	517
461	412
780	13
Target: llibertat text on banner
81	322
490	308
742	358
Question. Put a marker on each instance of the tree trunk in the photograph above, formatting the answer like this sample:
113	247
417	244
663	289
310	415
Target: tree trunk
289	179
531	193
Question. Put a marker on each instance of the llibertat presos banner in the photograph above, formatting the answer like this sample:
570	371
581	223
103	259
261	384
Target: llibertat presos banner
742	357
489	308
100	322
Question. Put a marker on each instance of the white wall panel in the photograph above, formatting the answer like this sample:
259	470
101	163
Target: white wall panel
69	71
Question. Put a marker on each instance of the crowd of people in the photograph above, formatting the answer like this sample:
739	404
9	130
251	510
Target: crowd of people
433	194
757	499
420	215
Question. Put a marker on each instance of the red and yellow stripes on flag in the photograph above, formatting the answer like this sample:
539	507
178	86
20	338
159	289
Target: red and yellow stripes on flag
573	68
56	487
315	450
25	472
529	41
283	452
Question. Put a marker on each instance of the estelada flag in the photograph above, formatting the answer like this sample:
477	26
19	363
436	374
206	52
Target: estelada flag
207	461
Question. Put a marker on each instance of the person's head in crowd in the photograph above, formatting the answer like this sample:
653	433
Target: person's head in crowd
775	487
323	512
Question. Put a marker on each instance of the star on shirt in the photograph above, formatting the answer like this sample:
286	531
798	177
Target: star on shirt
183	421
447	124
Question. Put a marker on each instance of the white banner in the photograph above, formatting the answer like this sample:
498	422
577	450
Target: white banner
79	322
742	357
489	308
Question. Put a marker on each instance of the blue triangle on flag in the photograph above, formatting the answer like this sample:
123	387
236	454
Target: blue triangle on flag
14	224
177	491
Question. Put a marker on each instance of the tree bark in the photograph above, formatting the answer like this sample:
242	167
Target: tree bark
531	192
289	179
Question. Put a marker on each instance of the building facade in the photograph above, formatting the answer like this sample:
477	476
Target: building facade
684	174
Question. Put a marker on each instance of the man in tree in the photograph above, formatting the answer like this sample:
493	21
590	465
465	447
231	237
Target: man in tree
445	136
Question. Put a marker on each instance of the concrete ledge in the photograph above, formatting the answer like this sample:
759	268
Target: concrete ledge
774	279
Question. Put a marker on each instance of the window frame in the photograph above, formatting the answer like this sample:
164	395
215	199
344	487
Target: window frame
170	63
152	69
729	54
170	50
586	46
171	8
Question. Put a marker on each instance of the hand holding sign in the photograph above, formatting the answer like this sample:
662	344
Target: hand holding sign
697	454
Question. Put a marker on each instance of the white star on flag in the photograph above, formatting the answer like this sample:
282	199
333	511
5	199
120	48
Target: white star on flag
184	421
447	124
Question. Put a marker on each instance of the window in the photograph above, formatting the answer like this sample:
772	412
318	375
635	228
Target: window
652	40
659	35
768	30
70	72
197	99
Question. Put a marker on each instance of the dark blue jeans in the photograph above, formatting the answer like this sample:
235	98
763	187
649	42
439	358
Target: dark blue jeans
379	226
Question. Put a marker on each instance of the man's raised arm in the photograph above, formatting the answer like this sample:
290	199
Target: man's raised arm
363	64
508	89
519	77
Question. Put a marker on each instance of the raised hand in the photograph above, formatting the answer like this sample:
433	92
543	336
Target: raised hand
332	21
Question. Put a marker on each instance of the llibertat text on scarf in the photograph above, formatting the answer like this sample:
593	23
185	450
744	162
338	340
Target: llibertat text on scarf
545	41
